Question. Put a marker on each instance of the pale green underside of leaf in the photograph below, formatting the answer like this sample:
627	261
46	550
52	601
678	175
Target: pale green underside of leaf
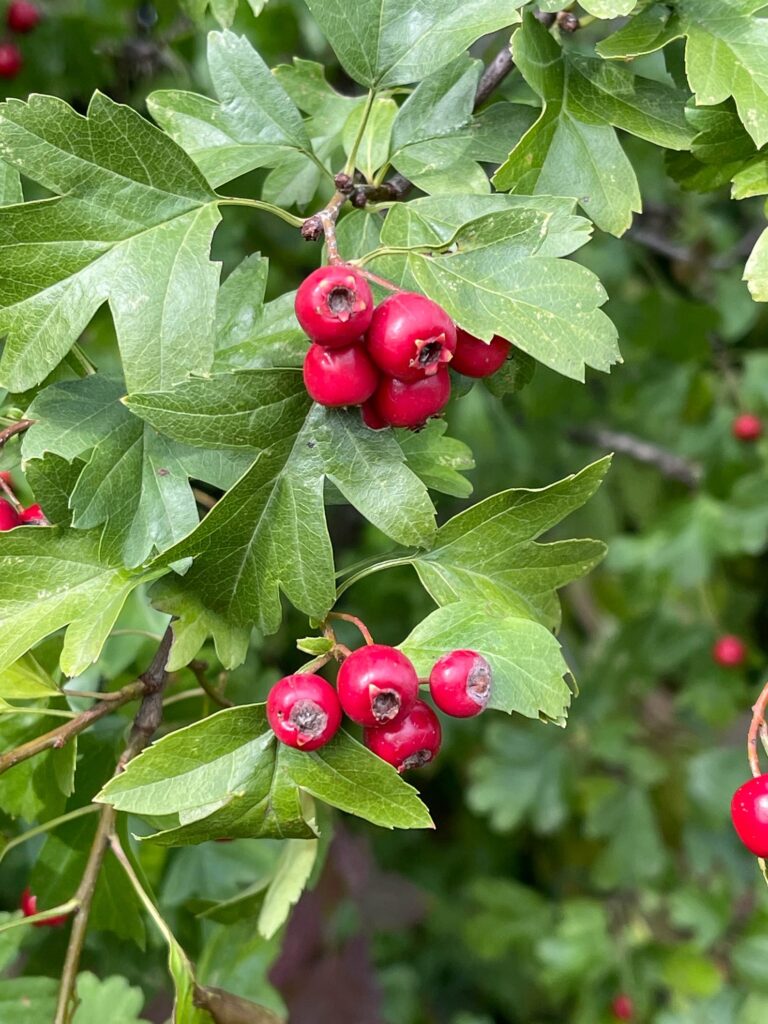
756	270
131	223
50	578
392	42
228	775
503	275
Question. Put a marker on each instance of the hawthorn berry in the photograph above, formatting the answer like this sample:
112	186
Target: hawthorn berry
402	404
729	651
476	358
22	16
11	61
9	517
460	683
339	376
334	305
371	417
622	1007
749	814
33	516
747	427
303	711
410	336
29	909
408	742
377	684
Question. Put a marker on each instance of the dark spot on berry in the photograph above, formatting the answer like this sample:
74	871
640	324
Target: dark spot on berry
429	354
416	760
479	682
341	302
385	705
308	718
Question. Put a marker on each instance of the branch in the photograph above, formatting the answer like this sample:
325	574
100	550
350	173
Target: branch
198	669
671	466
15	428
494	75
145	724
757	728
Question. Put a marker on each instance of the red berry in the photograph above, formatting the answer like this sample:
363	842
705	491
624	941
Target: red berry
460	683
22	16
334	305
33	516
729	651
622	1007
410	336
377	684
339	376
11	60
476	358
408	742
29	909
303	711
371	417
749	814
402	404
747	427
9	517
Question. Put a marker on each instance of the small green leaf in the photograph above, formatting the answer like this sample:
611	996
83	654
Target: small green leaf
111	999
315	645
26	680
756	270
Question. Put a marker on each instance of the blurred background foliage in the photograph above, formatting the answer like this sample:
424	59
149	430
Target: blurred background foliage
567	867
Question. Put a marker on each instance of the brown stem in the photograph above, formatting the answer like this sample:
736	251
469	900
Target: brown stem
756	727
145	724
10	496
355	622
382	281
198	669
494	75
15	428
672	466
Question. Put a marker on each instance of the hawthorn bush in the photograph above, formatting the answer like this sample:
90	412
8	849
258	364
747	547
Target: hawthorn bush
221	493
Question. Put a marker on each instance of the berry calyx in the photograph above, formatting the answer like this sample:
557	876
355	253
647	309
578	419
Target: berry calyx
29	909
371	417
460	683
749	814
410	336
9	517
476	358
402	404
747	427
408	742
33	516
376	685
339	376
22	16
334	305
11	61
622	1007
303	711
729	651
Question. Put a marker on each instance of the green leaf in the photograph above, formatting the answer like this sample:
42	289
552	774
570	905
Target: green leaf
26	679
28	1000
498	274
36	789
488	553
756	270
52	480
111	999
228	776
572	149
383	43
315	645
53	577
727	55
10	185
436	459
644	33
374	145
254	543
134	480
131	222
514	374
528	666
253	123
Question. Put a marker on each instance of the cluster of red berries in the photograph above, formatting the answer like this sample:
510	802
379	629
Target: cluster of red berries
21	17
747	427
11	516
377	687
29	909
392	359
